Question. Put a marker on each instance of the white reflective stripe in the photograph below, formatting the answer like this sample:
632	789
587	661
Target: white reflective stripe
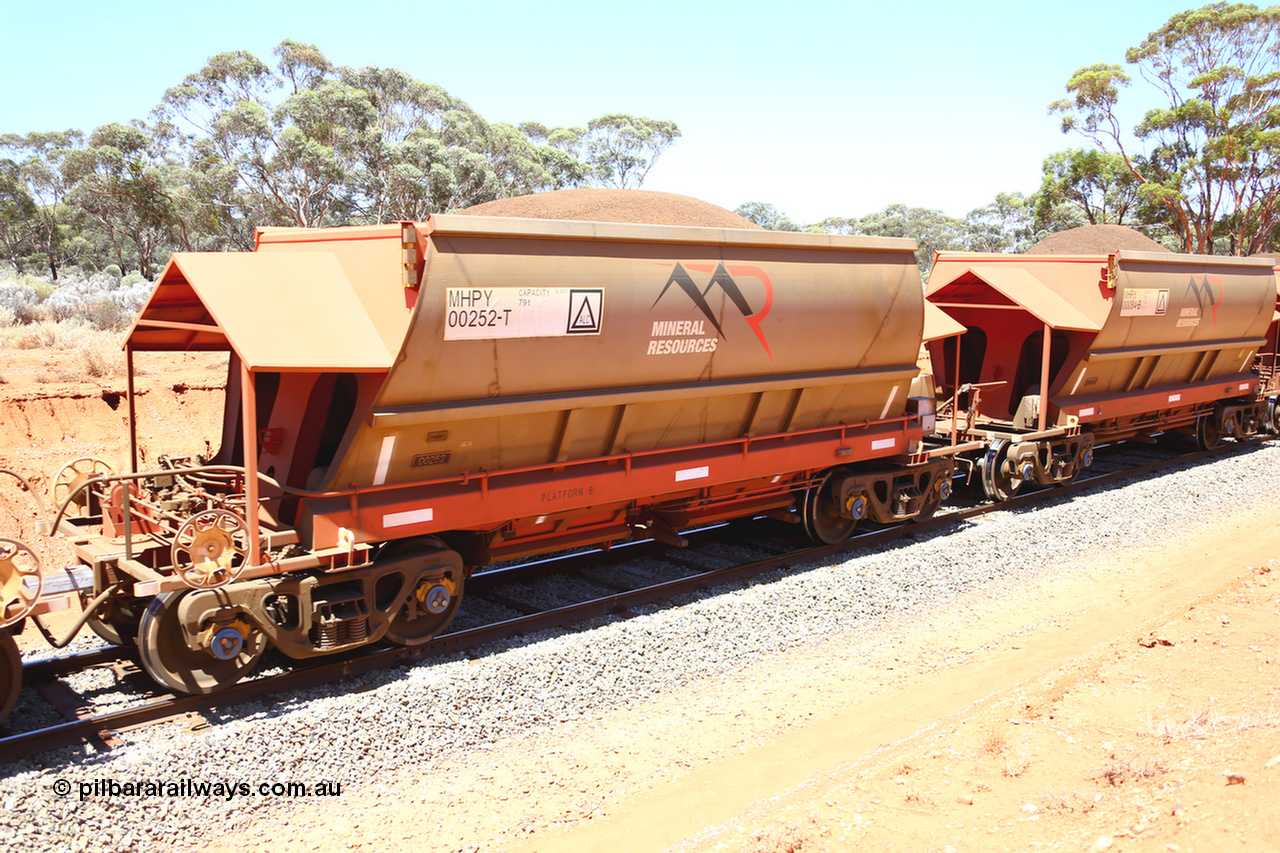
693	473
1244	386
882	443
1173	398
384	460
1079	379
413	516
889	402
1084	413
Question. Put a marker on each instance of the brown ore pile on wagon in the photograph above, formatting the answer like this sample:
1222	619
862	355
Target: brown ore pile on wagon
608	205
1095	240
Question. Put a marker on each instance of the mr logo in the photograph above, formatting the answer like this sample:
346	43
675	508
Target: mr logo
722	277
1207	291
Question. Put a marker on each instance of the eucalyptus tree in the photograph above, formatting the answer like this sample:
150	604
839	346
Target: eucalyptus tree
1212	159
37	192
766	215
121	180
1093	186
293	138
622	149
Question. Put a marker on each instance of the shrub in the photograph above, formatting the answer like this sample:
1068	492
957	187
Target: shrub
131	279
113	271
42	289
107	314
98	301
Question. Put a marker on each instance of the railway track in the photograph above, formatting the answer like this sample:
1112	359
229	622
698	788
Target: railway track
709	560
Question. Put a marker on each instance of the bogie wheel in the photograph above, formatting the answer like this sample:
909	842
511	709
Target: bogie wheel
1207	433
73	475
117	620
939	491
821	513
1273	417
10	674
163	650
210	549
998	483
20	581
433	600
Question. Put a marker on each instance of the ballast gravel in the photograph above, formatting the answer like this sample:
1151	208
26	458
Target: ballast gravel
405	722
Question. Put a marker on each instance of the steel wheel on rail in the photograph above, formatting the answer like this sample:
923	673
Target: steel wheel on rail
998	482
937	494
10	674
823	519
117	620
435	593
1207	433
226	655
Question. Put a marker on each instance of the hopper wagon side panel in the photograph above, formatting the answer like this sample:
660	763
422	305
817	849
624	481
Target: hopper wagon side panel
1181	330
535	350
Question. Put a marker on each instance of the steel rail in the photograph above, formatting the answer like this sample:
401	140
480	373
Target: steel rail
96	728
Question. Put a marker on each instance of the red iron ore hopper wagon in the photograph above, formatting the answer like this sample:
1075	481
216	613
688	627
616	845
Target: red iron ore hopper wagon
409	402
1063	351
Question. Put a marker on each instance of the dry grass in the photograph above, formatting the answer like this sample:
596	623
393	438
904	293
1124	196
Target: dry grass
1207	722
1067	803
100	353
791	838
995	740
1119	771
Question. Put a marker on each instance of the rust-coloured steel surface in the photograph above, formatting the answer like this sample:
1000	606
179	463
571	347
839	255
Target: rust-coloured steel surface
1129	334
457	373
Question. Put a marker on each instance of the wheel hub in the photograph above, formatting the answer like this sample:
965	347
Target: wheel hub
435	596
226	644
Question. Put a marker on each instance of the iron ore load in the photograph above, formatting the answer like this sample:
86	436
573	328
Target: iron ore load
408	402
1061	351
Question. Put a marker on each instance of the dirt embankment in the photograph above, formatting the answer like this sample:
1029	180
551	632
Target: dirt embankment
46	422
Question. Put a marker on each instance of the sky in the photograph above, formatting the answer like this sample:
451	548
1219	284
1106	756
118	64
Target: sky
820	108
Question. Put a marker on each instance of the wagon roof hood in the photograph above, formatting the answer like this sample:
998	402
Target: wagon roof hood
279	312
1019	287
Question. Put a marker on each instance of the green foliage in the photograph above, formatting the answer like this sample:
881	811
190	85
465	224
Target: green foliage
42	289
621	149
1212	162
766	215
931	229
1005	225
240	144
1086	187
